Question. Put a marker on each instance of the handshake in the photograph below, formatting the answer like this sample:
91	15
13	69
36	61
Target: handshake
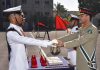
56	43
52	43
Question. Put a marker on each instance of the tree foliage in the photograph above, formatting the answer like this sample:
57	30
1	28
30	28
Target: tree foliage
60	10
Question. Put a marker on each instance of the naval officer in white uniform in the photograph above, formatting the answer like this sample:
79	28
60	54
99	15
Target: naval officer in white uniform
16	40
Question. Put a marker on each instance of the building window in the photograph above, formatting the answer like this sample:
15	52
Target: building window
46	2
37	2
15	3
39	13
3	3
46	13
24	1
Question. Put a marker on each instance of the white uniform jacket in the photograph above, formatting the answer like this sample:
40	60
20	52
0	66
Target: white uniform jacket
18	57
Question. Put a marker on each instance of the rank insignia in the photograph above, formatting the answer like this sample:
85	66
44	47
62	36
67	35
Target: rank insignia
89	31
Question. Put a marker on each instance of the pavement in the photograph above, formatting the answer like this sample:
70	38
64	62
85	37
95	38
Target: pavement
34	50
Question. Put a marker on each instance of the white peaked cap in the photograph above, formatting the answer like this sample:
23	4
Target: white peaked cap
13	9
74	16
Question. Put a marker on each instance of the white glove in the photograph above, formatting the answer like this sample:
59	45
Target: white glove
54	41
47	43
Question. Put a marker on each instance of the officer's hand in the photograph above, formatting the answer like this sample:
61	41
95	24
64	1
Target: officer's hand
54	42
60	43
48	43
57	43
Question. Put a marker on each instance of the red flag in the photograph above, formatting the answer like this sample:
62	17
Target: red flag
61	24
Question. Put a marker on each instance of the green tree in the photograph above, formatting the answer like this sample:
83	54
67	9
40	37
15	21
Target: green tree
60	10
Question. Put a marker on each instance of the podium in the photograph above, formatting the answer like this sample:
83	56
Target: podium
64	66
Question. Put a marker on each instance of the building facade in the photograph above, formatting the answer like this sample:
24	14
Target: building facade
34	10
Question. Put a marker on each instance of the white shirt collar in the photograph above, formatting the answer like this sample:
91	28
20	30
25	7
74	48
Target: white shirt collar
15	27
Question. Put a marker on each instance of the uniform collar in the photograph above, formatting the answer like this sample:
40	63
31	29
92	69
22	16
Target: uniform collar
15	27
87	26
84	29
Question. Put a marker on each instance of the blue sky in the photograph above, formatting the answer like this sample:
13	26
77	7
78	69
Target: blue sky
71	5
